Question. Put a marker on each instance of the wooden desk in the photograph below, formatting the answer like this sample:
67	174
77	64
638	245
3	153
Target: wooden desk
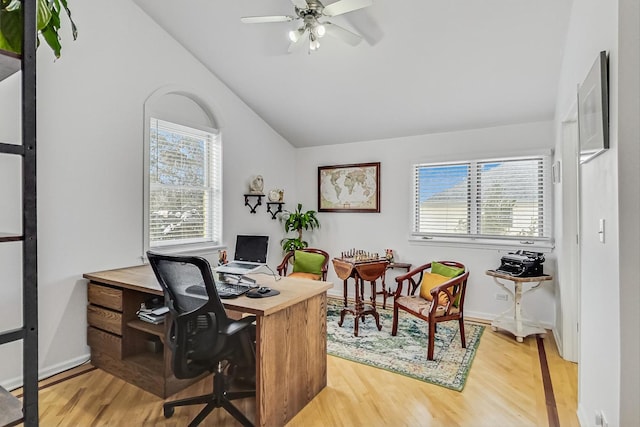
291	340
511	320
360	271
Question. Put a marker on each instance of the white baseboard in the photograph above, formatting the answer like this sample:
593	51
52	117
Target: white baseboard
583	419
13	383
559	342
487	317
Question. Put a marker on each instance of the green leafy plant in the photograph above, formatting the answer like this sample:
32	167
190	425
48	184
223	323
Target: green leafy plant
48	24
297	221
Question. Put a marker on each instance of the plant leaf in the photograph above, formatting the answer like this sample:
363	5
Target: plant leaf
51	37
48	24
14	5
11	29
4	44
74	29
43	14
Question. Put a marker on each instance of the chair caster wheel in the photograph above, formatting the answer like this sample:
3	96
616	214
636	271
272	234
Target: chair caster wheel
168	412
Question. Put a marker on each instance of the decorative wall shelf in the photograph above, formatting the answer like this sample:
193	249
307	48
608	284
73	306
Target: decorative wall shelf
258	201
277	211
255	200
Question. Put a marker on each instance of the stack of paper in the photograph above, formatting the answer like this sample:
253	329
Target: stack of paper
154	316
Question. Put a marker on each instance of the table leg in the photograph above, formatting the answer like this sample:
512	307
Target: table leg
374	311
511	320
384	290
373	293
507	314
346	309
344	282
518	311
359	306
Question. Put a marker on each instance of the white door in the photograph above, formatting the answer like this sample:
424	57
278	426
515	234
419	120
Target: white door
569	267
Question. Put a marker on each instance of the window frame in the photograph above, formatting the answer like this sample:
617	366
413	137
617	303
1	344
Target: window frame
540	244
216	191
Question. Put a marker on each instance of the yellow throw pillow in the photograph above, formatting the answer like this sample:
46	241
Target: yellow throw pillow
430	281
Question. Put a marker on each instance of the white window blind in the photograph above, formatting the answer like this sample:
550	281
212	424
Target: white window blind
184	185
503	198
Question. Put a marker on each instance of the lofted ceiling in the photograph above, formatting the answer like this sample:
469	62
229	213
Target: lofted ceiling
423	66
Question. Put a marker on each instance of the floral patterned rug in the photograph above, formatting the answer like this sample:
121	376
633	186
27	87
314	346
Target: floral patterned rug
406	353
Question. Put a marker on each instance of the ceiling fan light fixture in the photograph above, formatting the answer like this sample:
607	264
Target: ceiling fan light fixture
319	30
294	35
314	44
311	12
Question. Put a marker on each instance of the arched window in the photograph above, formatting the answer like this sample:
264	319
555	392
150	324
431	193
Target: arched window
183	173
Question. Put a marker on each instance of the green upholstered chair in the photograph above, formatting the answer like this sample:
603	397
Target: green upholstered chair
307	263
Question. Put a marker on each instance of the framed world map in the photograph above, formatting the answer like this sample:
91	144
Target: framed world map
349	188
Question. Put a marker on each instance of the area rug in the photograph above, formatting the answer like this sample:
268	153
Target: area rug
406	353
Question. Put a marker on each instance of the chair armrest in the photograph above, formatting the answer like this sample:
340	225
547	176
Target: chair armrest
452	288
282	268
238	325
411	279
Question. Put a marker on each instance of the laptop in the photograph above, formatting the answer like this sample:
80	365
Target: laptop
249	256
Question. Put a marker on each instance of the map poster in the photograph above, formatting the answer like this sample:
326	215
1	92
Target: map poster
349	188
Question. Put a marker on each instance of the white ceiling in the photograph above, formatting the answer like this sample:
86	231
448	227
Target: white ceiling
424	66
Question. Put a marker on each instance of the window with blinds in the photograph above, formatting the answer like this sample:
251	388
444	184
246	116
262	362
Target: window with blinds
185	197
503	198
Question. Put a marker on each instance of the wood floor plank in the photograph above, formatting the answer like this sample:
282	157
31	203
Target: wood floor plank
504	388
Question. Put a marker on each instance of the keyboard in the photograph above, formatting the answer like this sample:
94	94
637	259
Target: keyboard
224	290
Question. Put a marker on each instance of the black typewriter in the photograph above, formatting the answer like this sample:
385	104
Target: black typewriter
522	264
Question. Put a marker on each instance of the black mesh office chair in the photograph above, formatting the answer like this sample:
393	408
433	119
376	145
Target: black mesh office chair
201	336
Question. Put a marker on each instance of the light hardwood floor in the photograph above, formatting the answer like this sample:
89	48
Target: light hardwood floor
504	388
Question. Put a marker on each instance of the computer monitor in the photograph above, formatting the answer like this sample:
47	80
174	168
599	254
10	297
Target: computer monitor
251	248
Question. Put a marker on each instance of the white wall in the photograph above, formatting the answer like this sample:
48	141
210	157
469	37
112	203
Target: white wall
374	232
629	208
608	363
592	29
90	128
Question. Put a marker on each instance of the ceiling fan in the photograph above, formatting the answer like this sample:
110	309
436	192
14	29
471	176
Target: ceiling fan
311	28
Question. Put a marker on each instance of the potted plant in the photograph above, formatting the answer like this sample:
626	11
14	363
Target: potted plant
48	24
296	221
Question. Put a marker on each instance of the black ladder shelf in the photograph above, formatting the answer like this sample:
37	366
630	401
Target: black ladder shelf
12	410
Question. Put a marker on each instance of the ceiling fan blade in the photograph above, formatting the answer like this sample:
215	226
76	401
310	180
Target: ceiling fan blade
264	19
342	33
303	37
300	4
345	6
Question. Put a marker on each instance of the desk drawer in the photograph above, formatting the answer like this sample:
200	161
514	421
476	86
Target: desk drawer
104	319
104	342
105	296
